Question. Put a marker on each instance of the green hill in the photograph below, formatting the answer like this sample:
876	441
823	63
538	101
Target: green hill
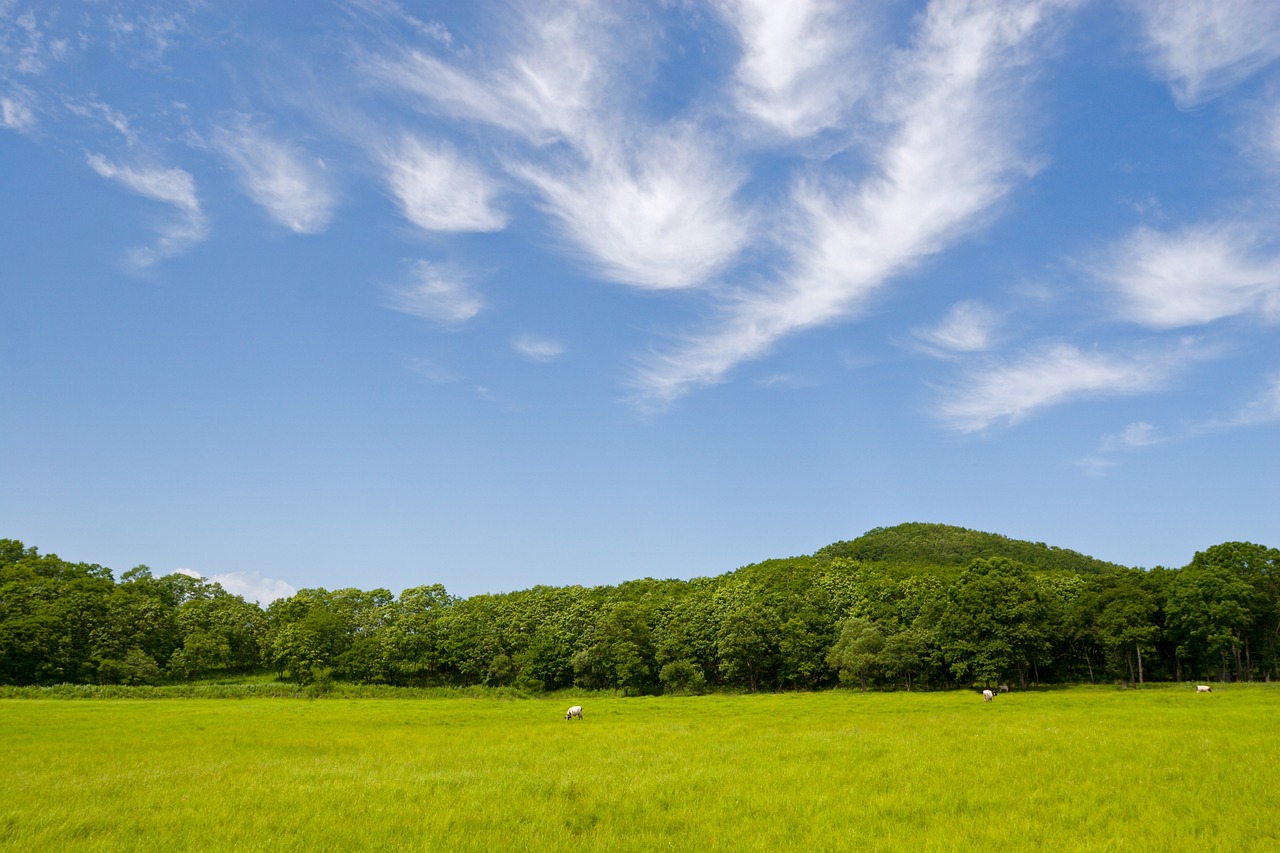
918	544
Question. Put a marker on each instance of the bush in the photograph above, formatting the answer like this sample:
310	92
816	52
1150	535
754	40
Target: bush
682	678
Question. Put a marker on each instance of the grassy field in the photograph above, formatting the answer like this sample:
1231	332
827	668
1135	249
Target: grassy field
1076	769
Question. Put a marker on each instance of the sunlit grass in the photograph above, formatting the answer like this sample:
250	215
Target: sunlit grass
1066	769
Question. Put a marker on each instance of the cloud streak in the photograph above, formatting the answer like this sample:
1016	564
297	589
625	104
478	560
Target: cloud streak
968	327
949	157
288	184
537	349
1203	49
174	187
439	190
802	66
1193	276
439	293
16	113
647	204
1052	375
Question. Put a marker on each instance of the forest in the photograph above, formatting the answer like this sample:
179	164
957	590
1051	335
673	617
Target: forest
916	606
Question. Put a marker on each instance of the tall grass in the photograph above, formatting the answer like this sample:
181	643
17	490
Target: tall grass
1076	769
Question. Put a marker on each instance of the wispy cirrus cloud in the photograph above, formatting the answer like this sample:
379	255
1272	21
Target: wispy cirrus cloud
1051	375
549	85
16	113
1263	409
969	326
144	36
172	186
395	14
803	63
952	152
441	191
645	204
102	113
26	48
537	348
437	292
291	186
1202	49
1135	436
1194	275
658	214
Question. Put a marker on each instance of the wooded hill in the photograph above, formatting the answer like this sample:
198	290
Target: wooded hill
917	605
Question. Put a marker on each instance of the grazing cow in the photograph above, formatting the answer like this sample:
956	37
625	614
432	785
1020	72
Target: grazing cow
1004	688
575	711
1203	688
987	695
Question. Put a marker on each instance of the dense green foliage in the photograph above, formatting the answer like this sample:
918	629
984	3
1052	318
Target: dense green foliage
915	605
1065	769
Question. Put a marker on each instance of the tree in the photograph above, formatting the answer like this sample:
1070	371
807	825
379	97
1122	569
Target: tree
1258	566
682	678
1125	625
141	617
747	643
410	643
307	634
1210	612
994	623
856	654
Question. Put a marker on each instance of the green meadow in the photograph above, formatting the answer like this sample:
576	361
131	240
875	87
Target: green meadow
1074	769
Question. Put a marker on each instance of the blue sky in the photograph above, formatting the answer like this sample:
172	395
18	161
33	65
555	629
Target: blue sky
501	294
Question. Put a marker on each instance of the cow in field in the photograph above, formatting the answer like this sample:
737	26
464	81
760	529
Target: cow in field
1004	688
575	711
987	696
1203	688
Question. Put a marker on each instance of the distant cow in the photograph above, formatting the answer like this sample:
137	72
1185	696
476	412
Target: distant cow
987	695
1004	688
575	711
1203	688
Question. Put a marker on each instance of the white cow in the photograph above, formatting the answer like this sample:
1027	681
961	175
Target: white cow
1004	688
987	695
1203	688
575	711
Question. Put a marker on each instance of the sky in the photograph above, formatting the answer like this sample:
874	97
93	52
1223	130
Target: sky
374	294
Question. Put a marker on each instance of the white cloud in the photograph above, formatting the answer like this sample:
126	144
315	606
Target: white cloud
442	294
1266	133
951	155
535	348
25	46
430	371
1139	434
968	327
254	587
1204	48
394	13
657	215
649	205
1193	276
145	38
174	187
550	87
801	68
1135	436
1055	374
16	113
438	190
290	185
1264	409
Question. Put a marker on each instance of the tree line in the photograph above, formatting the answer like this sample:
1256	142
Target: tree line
914	606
